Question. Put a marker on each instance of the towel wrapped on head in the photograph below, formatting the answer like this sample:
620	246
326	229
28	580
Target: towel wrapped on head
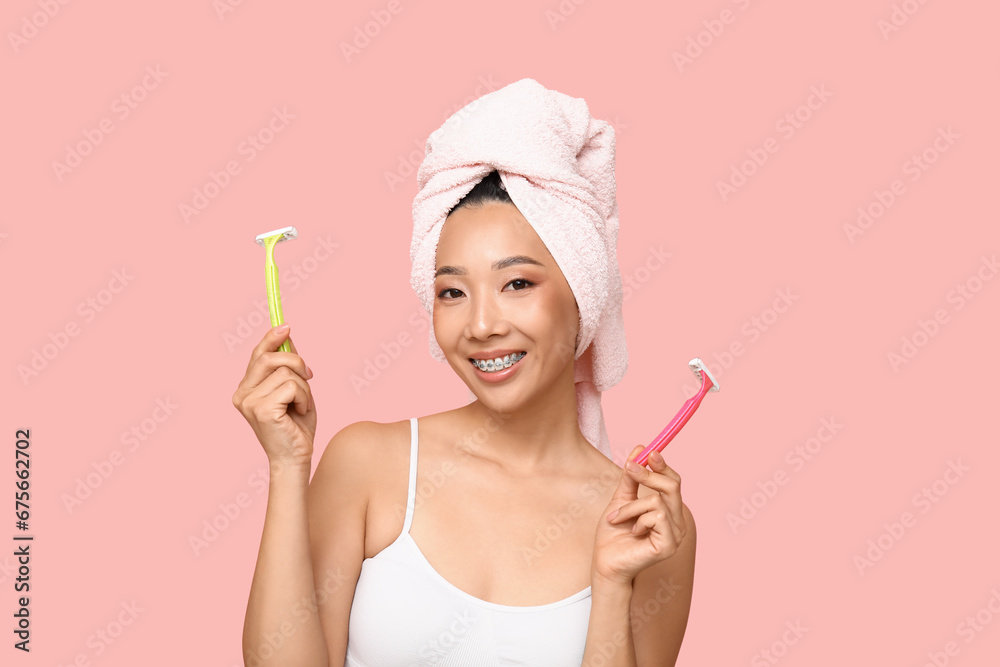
558	166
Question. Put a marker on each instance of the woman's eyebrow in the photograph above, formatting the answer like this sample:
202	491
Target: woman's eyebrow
504	263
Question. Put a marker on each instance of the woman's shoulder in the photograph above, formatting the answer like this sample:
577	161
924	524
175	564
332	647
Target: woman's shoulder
364	433
366	466
360	463
373	445
362	444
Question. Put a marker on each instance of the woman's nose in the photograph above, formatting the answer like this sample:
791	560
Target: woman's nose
486	317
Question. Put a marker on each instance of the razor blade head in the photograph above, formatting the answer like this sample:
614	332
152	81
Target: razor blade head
286	233
699	368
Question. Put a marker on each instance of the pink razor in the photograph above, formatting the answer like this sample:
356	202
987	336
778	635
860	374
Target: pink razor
708	383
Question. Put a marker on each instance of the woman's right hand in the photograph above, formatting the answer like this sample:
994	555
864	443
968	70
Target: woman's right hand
273	380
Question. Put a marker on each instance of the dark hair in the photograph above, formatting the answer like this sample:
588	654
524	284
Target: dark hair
490	189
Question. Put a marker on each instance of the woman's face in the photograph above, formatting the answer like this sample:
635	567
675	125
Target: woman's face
498	292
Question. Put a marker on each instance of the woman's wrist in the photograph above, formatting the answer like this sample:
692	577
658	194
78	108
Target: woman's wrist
613	588
288	477
291	468
609	636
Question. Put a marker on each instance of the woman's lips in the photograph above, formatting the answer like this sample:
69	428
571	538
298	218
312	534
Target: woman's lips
499	376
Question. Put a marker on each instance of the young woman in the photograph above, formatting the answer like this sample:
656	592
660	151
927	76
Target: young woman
491	534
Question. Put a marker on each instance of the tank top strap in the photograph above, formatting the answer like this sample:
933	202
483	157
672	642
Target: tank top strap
411	491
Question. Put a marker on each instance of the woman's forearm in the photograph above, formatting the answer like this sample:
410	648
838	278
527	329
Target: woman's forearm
282	626
609	635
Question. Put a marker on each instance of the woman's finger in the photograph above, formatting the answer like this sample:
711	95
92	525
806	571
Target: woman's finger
269	348
273	397
292	393
658	464
267	375
270	342
262	393
308	371
668	486
667	536
639	507
627	486
269	362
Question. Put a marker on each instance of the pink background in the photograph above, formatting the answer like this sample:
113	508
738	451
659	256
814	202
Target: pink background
183	321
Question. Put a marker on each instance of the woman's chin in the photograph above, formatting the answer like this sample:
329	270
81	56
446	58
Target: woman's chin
493	399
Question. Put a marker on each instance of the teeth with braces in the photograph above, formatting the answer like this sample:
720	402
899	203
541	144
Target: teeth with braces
498	364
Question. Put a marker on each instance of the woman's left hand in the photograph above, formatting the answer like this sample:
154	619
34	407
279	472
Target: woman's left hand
634	533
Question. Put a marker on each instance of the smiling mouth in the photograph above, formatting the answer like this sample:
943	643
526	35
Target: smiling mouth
498	364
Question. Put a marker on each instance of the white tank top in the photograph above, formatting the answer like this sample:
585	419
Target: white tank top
405	614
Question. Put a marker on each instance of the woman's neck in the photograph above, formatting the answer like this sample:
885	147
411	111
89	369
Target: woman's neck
536	437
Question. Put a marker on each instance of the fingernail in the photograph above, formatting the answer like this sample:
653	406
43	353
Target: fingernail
632	466
611	517
656	456
309	371
282	329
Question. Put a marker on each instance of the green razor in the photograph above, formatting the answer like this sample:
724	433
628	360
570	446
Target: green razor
268	240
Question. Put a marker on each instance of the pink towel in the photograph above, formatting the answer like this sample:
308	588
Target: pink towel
558	166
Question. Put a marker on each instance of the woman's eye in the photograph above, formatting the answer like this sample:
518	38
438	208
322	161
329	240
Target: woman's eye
517	285
520	284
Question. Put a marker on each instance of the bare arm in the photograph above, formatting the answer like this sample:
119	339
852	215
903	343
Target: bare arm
661	603
310	556
644	623
279	628
338	505
643	571
299	603
609	634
